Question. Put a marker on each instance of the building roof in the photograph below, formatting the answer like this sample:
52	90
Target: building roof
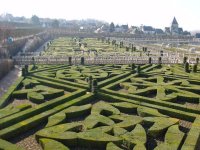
180	30
148	28
124	27
159	31
174	21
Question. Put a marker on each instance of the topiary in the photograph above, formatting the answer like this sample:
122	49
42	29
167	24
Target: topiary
149	60
82	60
194	69
184	60
35	97
197	60
138	69
159	60
186	67
132	67
94	85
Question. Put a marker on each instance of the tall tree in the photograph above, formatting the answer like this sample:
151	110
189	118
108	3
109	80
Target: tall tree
55	23
112	27
35	19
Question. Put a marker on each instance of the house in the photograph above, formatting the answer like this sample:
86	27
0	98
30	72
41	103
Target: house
148	29
159	31
135	30
197	35
180	30
174	27
167	30
121	29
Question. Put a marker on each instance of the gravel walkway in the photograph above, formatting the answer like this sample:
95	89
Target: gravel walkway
27	140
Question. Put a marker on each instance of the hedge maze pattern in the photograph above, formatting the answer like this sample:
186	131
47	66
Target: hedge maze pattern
106	107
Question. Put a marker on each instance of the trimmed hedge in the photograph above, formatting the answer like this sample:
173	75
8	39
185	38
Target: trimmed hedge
164	110
36	97
41	108
96	120
59	81
136	136
6	97
102	108
160	125
147	112
150	100
193	137
112	146
94	139
32	120
10	110
71	112
48	144
126	107
4	145
77	111
22	94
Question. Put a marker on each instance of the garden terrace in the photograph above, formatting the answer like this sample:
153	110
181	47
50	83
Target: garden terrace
91	51
102	107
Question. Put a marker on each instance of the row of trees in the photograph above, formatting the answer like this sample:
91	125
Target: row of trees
36	21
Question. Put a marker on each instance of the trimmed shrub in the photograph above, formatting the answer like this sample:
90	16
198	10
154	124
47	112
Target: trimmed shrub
186	67
35	97
4	145
119	131
56	119
160	125
70	61
94	120
174	136
149	60
126	107
197	60
49	144
102	108
148	112
6	97
194	69
133	67
77	111
159	60
138	69
22	107
82	60
28	83
22	94
112	146
136	136
99	140
184	60
139	147
127	122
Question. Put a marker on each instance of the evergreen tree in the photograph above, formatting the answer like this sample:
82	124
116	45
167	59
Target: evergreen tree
112	27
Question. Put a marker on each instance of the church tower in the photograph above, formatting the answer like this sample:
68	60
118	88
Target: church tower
174	27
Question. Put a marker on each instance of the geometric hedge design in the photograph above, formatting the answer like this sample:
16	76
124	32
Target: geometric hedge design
156	107
102	107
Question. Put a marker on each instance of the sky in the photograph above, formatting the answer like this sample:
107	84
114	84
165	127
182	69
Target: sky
156	13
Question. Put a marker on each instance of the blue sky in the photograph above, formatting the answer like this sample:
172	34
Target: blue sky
157	13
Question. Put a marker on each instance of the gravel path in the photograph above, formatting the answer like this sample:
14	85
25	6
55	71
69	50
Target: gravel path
8	80
27	140
17	102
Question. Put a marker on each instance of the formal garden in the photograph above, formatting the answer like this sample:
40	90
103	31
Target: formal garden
78	106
